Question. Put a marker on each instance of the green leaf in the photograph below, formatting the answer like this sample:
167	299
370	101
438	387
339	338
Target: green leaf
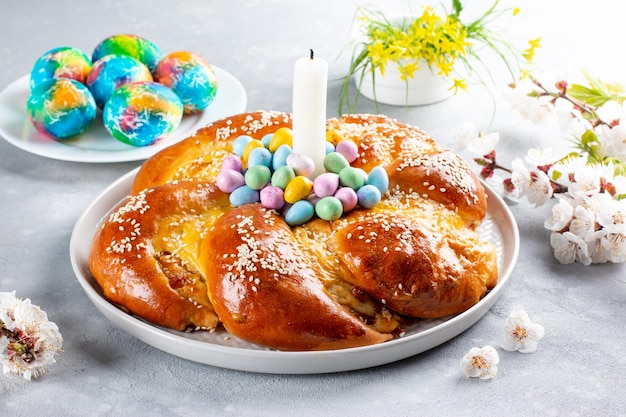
457	7
589	139
598	93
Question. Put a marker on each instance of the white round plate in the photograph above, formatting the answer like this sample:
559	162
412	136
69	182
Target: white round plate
223	350
96	145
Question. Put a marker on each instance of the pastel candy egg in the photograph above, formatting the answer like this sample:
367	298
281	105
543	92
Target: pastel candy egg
142	113
348	149
351	177
378	178
240	143
191	77
299	213
348	198
326	184
265	140
243	195
301	164
61	108
329	148
232	162
253	144
298	189
229	179
113	71
329	208
257	177
280	156
369	196
272	197
282	177
61	62
132	45
335	162
283	136
260	156
334	136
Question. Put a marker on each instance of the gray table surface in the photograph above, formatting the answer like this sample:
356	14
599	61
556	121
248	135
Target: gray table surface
579	368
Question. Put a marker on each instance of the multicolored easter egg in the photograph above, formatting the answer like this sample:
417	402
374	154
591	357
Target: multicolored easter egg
141	113
132	45
61	62
61	107
191	77
113	71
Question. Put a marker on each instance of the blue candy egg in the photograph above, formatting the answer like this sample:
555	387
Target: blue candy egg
299	213
243	195
265	140
368	196
280	156
240	143
378	178
260	156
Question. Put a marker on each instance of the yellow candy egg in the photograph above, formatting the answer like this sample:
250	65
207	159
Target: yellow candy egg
334	136
283	136
298	189
254	143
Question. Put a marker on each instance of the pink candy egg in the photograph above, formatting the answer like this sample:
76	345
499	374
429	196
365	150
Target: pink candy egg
348	149
228	180
301	164
348	198
326	184
232	162
272	197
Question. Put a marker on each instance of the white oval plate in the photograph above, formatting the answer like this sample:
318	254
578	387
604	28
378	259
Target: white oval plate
96	145
223	350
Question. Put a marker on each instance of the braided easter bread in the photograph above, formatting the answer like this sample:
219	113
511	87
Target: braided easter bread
178	254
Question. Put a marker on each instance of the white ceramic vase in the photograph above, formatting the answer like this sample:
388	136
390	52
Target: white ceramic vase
424	88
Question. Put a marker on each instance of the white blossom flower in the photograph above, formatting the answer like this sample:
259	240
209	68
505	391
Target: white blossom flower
28	340
540	189
569	248
476	141
615	246
612	216
541	156
480	362
520	334
611	110
583	223
586	182
597	251
562	214
535	186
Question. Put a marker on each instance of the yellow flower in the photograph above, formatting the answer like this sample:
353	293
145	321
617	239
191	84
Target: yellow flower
459	84
529	53
516	11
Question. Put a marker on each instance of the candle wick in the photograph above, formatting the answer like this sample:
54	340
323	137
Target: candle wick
311	53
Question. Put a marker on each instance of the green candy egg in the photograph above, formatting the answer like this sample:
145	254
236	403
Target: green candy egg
352	177
257	176
329	208
283	176
335	162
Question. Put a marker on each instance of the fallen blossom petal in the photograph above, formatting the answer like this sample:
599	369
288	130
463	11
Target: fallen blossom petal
28	340
520	334
480	362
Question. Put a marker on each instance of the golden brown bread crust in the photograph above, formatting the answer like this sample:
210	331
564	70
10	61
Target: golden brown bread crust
144	255
266	290
323	285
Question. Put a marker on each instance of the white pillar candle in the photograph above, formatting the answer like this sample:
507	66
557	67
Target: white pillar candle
310	81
